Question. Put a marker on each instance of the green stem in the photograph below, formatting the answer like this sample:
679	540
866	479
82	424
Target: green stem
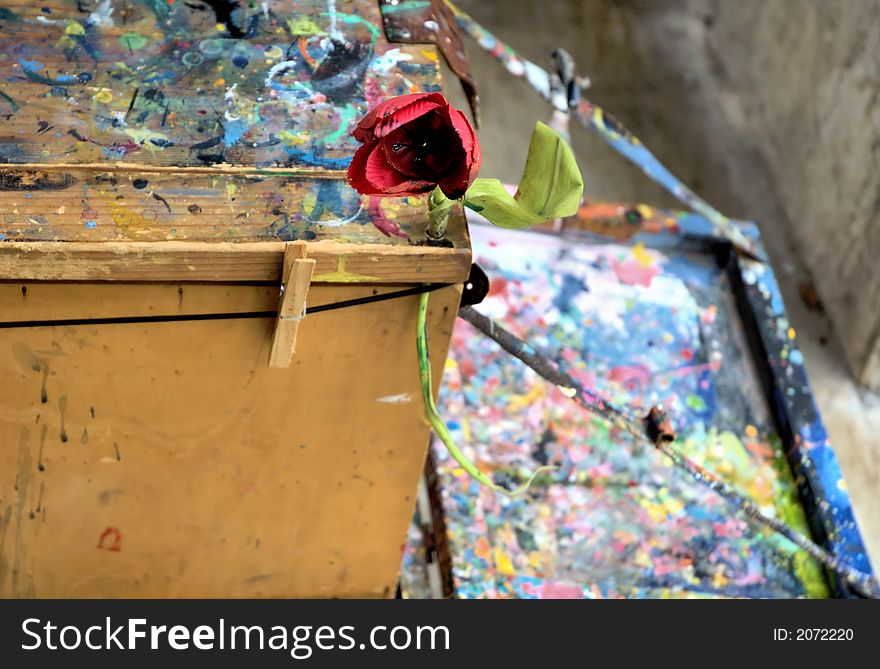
437	423
439	210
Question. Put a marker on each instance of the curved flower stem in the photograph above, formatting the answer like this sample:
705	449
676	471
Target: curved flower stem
439	210
437	423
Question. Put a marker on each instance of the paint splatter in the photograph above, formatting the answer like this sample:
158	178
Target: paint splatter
615	520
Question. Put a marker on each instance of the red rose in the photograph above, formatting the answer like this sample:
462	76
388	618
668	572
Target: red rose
412	144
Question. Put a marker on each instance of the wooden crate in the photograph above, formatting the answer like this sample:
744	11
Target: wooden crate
155	165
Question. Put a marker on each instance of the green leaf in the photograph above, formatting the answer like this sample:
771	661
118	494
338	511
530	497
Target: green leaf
551	186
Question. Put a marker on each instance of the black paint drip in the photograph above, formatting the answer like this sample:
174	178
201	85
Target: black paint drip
223	10
44	395
43	432
62	407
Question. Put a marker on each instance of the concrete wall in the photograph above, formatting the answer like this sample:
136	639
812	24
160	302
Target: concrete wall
808	83
767	108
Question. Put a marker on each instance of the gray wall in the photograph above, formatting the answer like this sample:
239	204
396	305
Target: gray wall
767	108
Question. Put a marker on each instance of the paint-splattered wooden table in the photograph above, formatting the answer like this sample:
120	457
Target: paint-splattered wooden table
156	161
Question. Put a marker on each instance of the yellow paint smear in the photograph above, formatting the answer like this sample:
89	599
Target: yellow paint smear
342	276
130	223
503	563
642	256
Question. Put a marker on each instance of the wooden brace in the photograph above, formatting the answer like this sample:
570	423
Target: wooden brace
296	277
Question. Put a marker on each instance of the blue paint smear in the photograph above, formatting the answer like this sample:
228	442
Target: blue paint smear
693	273
312	159
572	286
233	131
31	65
161	76
768	282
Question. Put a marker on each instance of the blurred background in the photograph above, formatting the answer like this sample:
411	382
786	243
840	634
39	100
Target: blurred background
769	110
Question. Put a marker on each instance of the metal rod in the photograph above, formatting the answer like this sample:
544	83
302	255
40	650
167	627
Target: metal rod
608	128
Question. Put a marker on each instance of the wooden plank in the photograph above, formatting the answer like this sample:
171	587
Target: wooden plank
161	121
24	301
230	262
85	205
178	84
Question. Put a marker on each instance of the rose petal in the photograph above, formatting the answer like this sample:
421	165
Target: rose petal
469	142
363	131
384	179
455	183
467	163
380	173
463	128
413	187
375	121
406	115
357	170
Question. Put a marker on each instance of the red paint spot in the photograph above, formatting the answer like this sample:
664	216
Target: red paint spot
553	590
687	354
381	222
631	377
467	367
498	286
111	540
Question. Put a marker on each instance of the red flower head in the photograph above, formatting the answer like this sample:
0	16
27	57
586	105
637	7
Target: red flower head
411	144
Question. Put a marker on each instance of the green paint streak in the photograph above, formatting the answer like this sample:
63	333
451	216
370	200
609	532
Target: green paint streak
695	402
352	19
12	103
410	5
133	41
303	25
791	512
345	118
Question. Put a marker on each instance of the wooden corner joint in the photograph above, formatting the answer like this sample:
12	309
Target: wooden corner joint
296	276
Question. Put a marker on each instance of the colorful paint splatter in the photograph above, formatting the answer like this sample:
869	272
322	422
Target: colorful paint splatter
157	120
644	326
